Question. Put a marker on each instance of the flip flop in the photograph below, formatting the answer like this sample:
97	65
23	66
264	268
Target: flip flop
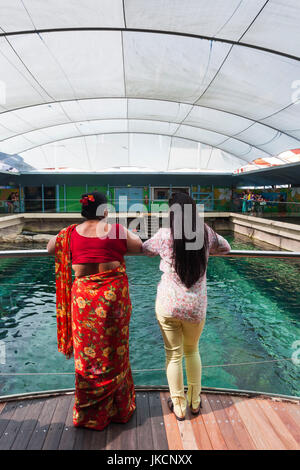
171	406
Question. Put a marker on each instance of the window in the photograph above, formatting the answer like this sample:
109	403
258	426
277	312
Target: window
163	194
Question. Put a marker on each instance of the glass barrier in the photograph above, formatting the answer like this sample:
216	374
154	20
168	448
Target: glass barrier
265	208
251	340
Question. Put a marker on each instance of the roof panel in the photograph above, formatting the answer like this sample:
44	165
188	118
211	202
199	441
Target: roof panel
218	18
252	83
169	67
157	110
27	15
73	65
277	27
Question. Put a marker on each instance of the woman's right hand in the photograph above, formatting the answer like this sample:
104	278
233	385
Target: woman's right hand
51	245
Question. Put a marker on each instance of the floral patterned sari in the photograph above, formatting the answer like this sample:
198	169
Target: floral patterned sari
93	318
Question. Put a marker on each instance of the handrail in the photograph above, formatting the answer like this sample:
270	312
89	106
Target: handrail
231	254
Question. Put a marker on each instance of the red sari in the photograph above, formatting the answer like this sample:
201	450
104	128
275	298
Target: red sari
93	318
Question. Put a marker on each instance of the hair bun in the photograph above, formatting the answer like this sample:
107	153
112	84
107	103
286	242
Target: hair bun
90	203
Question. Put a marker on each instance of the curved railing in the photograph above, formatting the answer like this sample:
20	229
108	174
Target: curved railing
232	254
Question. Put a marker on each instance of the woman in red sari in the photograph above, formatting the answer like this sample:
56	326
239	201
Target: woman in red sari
93	313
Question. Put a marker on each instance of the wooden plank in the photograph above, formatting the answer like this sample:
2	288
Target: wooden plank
187	435
6	414
68	436
294	410
97	440
122	436
257	425
199	430
43	423
28	425
237	423
224	423
279	427
144	428
113	437
171	427
211	425
83	437
289	420
160	441
16	420
129	439
57	423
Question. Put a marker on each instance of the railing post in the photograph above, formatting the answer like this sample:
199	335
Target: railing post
43	198
22	202
65	202
57	198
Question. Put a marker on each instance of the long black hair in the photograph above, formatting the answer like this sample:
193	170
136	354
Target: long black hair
189	264
90	203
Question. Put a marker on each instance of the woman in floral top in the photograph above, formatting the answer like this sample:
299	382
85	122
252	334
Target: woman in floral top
181	297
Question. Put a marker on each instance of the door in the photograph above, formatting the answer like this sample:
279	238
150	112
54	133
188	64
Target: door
49	199
207	199
33	198
127	197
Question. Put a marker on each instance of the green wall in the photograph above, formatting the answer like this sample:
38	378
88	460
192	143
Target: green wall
74	193
221	196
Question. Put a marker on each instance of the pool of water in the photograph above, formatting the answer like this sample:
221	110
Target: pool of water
252	322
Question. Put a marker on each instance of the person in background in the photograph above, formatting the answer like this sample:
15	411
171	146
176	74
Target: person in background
16	203
10	202
181	299
255	204
93	313
281	207
250	202
244	205
260	205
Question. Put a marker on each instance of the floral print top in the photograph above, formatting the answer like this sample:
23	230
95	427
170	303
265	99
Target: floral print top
174	298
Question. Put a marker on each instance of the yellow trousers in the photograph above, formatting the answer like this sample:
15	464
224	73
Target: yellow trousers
181	338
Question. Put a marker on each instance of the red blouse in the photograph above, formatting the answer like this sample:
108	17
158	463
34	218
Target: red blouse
99	250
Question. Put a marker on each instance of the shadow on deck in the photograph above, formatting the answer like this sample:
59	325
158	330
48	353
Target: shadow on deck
226	422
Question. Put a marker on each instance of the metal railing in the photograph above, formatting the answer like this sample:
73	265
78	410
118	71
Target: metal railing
231	254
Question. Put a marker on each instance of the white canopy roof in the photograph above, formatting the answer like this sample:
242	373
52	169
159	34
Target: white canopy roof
160	85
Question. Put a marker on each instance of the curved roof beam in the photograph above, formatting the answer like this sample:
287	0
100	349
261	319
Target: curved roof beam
240	157
226	136
154	31
49	103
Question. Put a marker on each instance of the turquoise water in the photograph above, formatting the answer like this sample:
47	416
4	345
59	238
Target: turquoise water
253	315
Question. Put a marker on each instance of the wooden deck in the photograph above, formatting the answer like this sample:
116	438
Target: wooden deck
226	422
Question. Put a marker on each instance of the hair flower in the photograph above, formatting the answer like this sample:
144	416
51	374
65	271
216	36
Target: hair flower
91	198
84	201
